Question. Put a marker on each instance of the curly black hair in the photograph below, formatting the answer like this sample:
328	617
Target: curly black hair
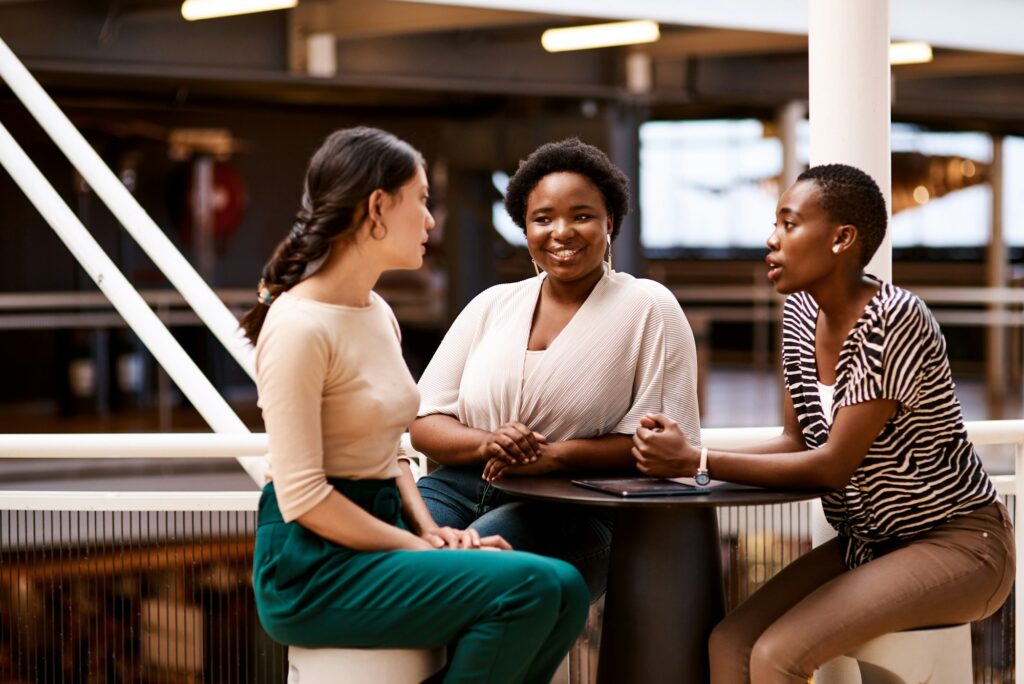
574	156
850	196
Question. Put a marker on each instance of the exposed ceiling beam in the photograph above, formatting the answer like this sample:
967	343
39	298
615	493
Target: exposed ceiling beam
961	64
723	43
374	18
983	25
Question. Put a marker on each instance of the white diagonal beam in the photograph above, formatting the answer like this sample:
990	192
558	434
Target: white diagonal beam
168	353
126	208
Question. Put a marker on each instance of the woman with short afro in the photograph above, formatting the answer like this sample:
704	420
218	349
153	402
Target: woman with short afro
870	416
553	373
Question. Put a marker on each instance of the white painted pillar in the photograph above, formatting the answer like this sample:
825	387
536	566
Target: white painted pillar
850	92
788	119
849	101
996	272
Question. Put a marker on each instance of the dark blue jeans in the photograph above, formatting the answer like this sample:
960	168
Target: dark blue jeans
459	497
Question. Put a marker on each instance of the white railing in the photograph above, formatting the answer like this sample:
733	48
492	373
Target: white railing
87	251
988	432
234	439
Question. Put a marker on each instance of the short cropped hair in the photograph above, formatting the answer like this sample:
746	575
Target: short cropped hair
850	196
574	156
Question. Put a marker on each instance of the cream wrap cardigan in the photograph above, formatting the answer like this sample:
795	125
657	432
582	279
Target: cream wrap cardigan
627	352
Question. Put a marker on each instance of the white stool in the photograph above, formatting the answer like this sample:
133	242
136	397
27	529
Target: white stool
939	655
363	665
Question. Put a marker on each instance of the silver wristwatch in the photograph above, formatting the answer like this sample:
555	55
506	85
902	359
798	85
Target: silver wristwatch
703	477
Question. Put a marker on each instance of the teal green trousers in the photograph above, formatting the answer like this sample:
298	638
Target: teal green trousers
511	616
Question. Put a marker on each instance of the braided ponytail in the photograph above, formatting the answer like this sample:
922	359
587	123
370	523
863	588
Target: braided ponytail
349	165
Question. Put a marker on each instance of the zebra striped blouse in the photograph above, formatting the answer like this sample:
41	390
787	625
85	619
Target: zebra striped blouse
921	470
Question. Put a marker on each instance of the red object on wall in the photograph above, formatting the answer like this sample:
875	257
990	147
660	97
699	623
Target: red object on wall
229	204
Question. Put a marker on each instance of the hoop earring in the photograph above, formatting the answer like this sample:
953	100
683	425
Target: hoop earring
536	268
609	256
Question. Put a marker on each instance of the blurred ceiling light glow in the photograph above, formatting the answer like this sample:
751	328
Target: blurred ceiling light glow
193	10
600	35
921	194
912	52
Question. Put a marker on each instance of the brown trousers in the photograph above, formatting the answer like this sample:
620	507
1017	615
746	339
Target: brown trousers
816	609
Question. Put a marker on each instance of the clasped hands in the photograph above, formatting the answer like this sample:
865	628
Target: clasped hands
451	538
514	449
661	449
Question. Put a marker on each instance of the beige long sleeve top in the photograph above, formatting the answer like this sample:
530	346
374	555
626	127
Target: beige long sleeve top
336	396
627	352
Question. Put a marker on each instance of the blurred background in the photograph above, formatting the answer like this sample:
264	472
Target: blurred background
210	123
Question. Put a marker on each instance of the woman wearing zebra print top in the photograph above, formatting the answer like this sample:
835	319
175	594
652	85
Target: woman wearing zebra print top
870	415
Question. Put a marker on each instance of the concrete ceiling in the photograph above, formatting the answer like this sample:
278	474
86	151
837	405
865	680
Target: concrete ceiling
463	56
990	25
727	55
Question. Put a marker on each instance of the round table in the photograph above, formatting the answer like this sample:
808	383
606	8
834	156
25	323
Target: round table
665	591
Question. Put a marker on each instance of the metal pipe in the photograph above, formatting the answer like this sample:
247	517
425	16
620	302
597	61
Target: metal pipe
196	387
128	445
177	445
126	208
129	501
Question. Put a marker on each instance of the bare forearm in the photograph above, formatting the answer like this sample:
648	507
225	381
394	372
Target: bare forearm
608	452
806	469
784	443
341	521
414	510
447	441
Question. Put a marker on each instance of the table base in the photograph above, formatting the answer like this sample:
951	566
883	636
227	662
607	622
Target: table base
665	595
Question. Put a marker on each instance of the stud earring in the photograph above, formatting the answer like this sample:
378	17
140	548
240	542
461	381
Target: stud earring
835	249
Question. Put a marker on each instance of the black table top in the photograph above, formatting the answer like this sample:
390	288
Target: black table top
560	488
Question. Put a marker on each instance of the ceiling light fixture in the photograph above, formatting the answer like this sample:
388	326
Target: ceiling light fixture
912	52
194	10
600	35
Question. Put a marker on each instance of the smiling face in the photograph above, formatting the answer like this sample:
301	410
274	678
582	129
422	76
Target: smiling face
407	219
805	240
567	226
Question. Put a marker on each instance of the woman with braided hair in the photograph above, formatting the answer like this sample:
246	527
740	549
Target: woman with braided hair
347	554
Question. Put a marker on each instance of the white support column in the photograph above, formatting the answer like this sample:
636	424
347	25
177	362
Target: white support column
849	88
789	117
849	101
1018	601
996	268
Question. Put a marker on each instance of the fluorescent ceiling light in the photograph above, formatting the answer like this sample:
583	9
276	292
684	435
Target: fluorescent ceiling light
913	52
600	35
210	9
